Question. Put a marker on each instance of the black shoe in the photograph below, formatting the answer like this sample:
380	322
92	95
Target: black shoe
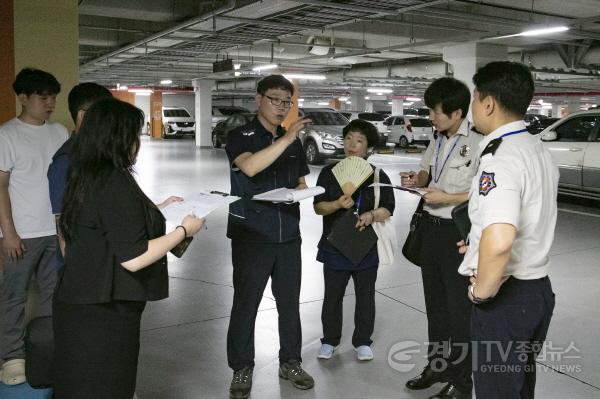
298	377
426	379
241	383
451	392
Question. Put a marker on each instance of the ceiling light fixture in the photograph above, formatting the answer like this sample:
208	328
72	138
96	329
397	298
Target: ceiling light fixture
265	67
343	98
379	91
166	82
413	99
237	66
543	31
322	103
141	92
304	76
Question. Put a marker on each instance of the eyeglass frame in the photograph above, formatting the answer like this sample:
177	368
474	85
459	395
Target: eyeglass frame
290	103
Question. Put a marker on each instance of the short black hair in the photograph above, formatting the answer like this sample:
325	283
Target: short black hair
34	81
450	93
274	82
83	95
365	128
510	83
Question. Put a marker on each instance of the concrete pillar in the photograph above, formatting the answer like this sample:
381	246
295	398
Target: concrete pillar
369	106
156	125
556	108
467	58
143	103
43	35
357	99
573	104
397	106
203	107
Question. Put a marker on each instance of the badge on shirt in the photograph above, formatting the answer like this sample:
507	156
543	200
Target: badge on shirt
250	133
486	183
465	151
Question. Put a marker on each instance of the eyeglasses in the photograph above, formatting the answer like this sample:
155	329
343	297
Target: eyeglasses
278	101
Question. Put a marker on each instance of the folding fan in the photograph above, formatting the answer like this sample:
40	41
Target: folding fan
351	173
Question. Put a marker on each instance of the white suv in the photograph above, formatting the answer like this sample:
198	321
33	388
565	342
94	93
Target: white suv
405	130
574	143
323	137
177	121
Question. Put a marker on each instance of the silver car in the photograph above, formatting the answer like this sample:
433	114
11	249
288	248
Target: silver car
322	139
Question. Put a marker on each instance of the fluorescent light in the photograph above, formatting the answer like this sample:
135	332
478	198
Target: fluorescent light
237	66
141	92
300	99
166	82
348	102
343	98
543	31
237	73
265	67
389	103
119	87
413	99
367	97
304	76
379	91
322	103
407	104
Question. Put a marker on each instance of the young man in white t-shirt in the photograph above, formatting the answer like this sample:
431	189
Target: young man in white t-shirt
27	225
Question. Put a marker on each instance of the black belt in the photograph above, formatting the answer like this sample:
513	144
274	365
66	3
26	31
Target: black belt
436	220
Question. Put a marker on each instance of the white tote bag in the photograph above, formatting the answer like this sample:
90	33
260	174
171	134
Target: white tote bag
387	242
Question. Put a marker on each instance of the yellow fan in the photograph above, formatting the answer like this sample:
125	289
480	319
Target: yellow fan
351	173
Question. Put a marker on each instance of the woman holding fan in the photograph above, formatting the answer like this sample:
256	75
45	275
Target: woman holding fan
347	190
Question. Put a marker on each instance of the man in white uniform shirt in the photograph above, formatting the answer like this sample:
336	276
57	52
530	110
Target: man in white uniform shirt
512	206
447	169
27	225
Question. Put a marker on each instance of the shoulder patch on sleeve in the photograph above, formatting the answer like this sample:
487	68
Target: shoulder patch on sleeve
492	147
486	183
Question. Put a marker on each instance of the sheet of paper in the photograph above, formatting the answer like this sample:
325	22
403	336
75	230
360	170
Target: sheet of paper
288	194
417	191
200	204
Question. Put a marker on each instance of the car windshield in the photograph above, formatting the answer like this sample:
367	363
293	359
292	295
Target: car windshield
368	116
420	122
176	113
326	118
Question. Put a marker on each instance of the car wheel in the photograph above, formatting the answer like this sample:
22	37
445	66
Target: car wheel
403	142
215	141
311	152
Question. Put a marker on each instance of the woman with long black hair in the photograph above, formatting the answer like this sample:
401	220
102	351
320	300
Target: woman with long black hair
115	258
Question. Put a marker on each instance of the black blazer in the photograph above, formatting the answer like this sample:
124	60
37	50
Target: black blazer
114	226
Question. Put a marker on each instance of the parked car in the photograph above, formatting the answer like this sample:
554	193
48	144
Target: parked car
533	118
375	118
177	122
221	112
422	112
405	130
574	143
222	129
541	124
322	139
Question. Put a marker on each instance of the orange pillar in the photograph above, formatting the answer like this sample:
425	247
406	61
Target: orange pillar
293	114
8	106
335	104
156	126
124	96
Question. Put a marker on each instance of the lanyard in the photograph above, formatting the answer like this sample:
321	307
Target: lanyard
512	133
357	212
437	156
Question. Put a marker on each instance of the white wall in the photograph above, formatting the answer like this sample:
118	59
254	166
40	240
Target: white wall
184	100
143	103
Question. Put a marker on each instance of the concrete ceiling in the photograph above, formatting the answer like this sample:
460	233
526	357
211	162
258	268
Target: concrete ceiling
358	42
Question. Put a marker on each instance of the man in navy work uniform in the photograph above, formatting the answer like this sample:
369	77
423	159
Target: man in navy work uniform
81	97
512	206
265	237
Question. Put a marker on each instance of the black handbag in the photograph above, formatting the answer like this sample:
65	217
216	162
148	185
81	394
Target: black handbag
39	352
412	246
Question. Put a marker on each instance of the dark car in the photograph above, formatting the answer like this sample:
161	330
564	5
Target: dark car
222	129
539	125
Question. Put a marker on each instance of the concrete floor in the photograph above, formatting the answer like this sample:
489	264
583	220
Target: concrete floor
184	337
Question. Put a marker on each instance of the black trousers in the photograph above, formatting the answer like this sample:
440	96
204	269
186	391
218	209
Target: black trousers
253	264
364	310
96	349
446	301
508	333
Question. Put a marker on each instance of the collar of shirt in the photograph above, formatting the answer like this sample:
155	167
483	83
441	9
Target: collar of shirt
261	129
509	127
463	129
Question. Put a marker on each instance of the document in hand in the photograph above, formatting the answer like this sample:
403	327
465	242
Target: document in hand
200	204
289	195
418	191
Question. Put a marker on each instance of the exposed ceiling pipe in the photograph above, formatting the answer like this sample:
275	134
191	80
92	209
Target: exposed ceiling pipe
190	22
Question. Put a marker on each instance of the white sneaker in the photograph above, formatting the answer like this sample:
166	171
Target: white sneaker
326	351
364	353
13	372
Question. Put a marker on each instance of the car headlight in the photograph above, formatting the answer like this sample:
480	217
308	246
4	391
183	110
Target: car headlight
327	136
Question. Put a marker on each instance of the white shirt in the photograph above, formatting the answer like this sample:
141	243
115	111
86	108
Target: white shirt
26	152
517	185
453	163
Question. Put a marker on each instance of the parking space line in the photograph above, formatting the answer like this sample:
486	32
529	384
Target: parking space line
579	212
